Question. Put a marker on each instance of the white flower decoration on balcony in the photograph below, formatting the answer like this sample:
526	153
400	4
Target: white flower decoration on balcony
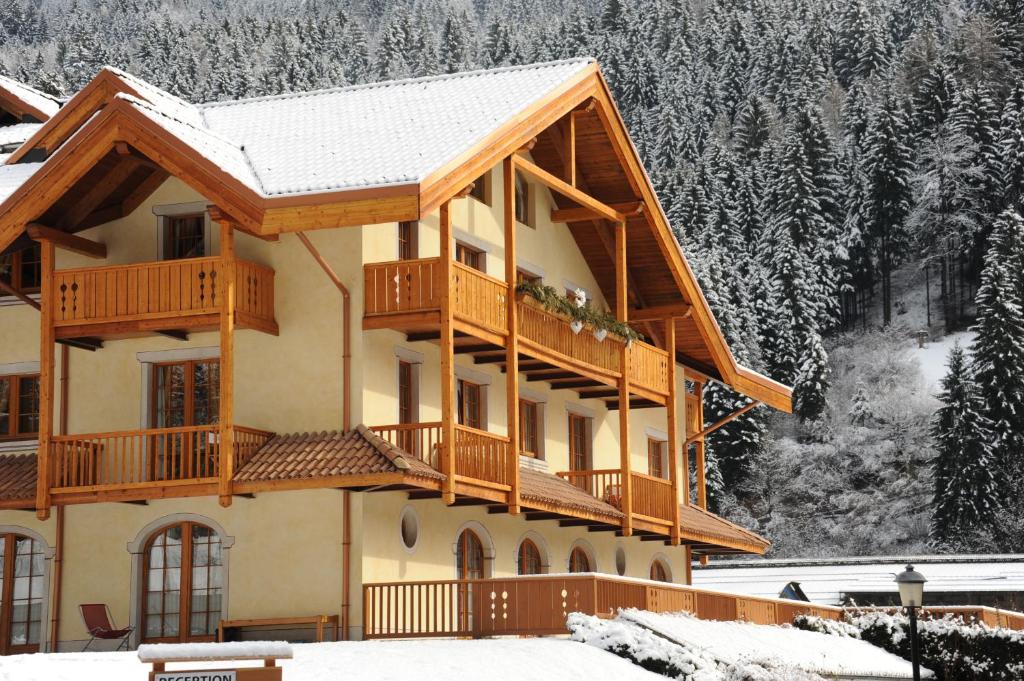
576	325
600	334
581	297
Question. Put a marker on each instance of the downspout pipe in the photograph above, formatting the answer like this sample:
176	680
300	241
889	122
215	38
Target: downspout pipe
346	408
58	552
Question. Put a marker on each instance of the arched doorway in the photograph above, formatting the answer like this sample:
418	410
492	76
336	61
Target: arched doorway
23	575
659	571
469	564
183	584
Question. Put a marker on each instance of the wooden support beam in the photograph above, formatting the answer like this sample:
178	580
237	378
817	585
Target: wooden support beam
671	412
605	528
702	488
572	383
98	192
599	394
551	376
512	340
659	313
722	421
19	294
176	334
69	242
567	190
622	314
569	154
47	335
226	400
489	348
542	515
90	344
634	403
447	338
424	494
568	215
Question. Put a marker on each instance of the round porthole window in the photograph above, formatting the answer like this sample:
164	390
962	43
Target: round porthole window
620	561
410	528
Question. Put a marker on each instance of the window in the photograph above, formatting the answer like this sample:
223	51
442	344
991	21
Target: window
620	561
408	248
410	528
579	442
406	388
19	406
523	201
482	189
528	562
183	584
469	564
186	393
529	428
659	571
524	277
184	236
579	561
469	403
22	269
656	457
469	256
22	573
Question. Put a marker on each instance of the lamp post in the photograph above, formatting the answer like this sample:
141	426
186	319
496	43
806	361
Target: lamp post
911	585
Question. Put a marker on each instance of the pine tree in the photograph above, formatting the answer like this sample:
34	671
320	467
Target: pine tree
810	389
966	496
997	352
861	412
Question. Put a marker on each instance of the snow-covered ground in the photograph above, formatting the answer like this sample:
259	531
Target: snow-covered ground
540	659
740	642
933	356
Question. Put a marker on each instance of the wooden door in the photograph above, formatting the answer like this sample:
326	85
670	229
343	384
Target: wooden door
184	394
469	565
579	450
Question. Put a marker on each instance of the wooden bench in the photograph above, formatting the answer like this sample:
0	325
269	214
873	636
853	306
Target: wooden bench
268	652
321	622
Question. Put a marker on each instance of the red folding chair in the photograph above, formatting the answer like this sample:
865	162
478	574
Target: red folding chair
100	625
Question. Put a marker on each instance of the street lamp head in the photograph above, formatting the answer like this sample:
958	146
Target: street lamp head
911	585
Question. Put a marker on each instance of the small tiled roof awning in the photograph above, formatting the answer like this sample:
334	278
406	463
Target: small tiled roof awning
537	489
700	527
359	452
17	480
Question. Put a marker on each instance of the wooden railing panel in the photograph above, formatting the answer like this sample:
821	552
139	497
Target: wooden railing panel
402	286
652	497
246	442
605	485
254	290
479	299
482	456
420	440
648	367
551	332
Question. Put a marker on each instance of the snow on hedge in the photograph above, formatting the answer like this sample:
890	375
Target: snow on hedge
735	645
540	659
237	650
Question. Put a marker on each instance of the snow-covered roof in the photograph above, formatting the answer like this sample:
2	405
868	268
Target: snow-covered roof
18	133
389	133
826	581
38	100
12	177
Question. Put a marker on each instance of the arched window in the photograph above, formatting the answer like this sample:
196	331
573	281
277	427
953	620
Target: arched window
579	561
24	586
659	571
184	584
528	561
469	556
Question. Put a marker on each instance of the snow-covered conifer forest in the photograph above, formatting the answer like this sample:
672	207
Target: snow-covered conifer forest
842	174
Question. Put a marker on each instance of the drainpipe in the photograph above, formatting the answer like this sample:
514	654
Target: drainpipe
58	553
346	389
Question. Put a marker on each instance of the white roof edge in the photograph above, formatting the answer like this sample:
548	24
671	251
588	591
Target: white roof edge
743	563
583	61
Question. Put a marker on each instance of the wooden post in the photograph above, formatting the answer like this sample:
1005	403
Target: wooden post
227	360
673	425
622	313
447	360
512	340
702	490
689	566
46	380
569	155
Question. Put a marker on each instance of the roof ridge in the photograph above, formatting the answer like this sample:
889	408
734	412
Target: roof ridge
121	73
206	130
36	90
386	449
396	82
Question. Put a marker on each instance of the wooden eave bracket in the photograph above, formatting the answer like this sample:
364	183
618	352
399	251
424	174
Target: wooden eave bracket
584	214
658	313
69	242
557	184
721	422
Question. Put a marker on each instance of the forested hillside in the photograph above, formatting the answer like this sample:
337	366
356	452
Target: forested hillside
841	173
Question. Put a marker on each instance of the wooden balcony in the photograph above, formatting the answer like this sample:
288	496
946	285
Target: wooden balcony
166	296
653	501
145	463
537	605
406	296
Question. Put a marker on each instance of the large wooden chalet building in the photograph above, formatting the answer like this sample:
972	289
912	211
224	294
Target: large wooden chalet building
268	359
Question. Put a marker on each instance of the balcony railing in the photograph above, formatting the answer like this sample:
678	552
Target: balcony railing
176	292
479	456
652	497
420	440
480	302
145	458
537	605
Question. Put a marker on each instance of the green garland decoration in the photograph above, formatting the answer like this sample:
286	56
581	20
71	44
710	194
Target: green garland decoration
553	301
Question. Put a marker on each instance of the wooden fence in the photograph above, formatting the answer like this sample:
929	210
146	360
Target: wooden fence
538	605
992	617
